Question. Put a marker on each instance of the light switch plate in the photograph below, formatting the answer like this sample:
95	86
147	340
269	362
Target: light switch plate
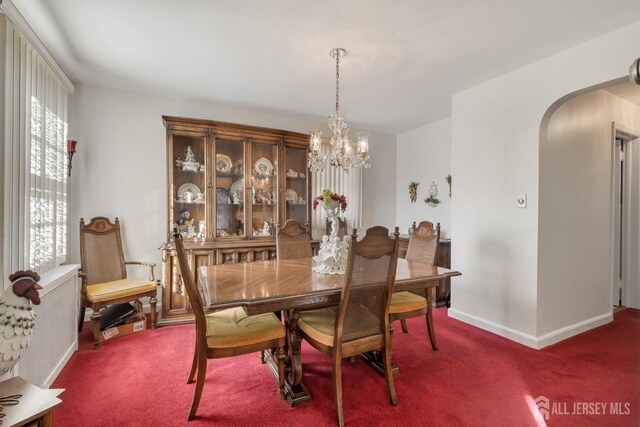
521	201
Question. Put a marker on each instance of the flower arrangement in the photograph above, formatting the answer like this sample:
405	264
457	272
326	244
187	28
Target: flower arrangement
327	196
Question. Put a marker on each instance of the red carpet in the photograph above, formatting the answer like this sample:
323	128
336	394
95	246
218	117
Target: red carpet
475	379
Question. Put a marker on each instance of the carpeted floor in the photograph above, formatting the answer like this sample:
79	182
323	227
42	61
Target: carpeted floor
475	379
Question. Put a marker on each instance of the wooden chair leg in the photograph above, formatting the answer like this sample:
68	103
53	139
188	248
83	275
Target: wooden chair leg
280	356
197	393
432	332
194	366
403	322
154	313
95	328
81	318
388	375
337	388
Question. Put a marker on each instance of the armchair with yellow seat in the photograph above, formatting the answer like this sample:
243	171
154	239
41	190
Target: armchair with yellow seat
104	274
423	247
360	322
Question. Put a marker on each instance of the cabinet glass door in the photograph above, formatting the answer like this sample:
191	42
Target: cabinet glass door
264	189
188	213
230	189
295	193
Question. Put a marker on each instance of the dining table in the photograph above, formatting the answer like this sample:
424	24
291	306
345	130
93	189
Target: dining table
290	286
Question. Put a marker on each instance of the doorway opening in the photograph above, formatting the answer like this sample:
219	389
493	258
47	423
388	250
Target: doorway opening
626	218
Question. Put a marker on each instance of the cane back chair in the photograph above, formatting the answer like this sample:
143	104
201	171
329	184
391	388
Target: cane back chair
361	320
226	333
104	274
423	247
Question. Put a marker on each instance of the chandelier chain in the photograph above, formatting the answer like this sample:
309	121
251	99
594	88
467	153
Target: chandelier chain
337	83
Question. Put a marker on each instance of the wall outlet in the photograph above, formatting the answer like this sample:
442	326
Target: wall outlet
521	201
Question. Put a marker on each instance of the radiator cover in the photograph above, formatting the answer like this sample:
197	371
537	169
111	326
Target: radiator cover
55	336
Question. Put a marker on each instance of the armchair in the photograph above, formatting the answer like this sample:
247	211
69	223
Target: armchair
104	274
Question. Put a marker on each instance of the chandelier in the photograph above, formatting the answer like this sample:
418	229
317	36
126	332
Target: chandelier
344	152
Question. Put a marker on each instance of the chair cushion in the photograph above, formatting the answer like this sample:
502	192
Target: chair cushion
119	288
402	302
233	328
319	324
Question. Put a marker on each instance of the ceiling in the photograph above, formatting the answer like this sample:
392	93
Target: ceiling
405	58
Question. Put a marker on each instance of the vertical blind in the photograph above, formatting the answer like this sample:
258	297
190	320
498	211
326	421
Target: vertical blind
35	211
342	182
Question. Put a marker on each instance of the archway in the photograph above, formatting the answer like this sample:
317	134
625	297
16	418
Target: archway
576	191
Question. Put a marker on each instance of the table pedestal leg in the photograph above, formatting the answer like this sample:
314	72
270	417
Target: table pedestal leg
374	358
295	391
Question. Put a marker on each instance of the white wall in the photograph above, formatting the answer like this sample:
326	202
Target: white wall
575	208
495	152
424	156
119	169
4	281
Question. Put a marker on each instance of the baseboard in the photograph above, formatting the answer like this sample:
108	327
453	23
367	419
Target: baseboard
52	377
573	330
529	340
503	331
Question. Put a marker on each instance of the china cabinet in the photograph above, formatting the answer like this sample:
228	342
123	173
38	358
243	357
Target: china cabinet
229	185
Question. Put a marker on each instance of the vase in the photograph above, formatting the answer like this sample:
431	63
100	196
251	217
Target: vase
332	256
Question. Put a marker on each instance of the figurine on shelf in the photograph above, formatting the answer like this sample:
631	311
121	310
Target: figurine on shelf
266	229
185	217
179	163
190	163
238	166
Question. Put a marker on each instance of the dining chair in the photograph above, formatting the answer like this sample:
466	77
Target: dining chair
293	241
104	274
423	247
360	322
226	333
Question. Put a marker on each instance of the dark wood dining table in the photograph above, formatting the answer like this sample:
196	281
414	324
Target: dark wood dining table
291	286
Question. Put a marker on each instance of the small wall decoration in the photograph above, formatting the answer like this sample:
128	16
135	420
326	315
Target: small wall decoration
413	191
71	150
432	200
448	179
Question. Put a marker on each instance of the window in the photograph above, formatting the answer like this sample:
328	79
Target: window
35	186
341	182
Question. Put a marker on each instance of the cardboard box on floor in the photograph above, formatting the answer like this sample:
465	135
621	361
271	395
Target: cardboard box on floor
138	324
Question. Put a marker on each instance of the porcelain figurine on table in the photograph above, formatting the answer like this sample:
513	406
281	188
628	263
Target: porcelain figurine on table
332	256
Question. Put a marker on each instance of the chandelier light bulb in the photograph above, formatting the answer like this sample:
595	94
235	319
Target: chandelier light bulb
315	140
363	143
